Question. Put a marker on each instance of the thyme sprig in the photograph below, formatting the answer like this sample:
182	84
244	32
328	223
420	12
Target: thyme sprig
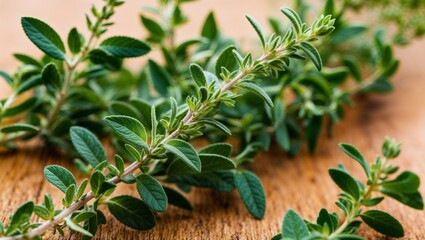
357	196
164	151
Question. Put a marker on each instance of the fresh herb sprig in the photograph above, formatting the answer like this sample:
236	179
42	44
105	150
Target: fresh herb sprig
58	82
356	196
164	151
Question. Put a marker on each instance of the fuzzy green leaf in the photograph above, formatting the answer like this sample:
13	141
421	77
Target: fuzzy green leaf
125	47
257	90
132	212
44	37
226	60
406	182
258	29
383	222
176	199
355	154
129	129
312	53
21	216
77	228
223	149
294	227
152	193
96	181
59	176
209	29
185	152
52	78
160	78
20	127
220	126
294	18
198	75
345	181
74	41
88	146
252	193
214	162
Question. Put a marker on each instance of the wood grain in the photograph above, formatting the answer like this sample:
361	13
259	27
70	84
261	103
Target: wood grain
301	183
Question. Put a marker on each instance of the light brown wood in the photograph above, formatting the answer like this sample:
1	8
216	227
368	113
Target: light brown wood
301	183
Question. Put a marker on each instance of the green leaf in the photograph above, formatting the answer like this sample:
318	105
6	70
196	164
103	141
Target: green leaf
198	75
252	193
406	182
99	56
223	149
42	212
44	37
351	64
214	162
294	227
413	200
123	108
153	27
251	87
129	129
313	132
176	199
132	212
355	154
59	176
75	42
349	32
220	126
383	222
282	136
258	29
346	182
185	152
125	47
27	105
152	193
83	216
52	78
7	77
20	127
96	181
209	29
21	216
119	163
29	83
294	18
25	59
77	228
226	60
326	218
312	53
88	146
380	85
160	78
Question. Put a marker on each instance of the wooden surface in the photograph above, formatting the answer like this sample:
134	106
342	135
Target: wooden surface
301	183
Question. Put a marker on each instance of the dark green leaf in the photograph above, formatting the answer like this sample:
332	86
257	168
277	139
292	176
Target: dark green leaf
152	193
52	78
313	132
355	154
20	127
125	47
74	41
209	29
312	53
282	136
96	181
294	227
258	29
345	33
406	182
27	105
129	129
223	149
77	228
176	199
220	126
7	77
252	193
88	146
59	177
25	59
294	18
198	74
346	182
132	212
413	200
185	152
44	37
155	30
226	60
214	162
383	223
251	87
21	216
160	78
329	8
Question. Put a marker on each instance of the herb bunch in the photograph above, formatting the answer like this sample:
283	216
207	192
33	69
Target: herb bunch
159	150
356	196
52	94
